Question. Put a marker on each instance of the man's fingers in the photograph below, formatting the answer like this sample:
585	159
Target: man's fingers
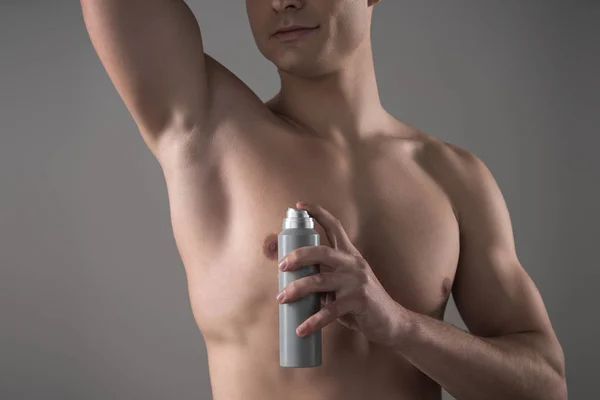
334	230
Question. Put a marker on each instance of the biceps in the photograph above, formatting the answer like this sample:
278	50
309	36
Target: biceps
152	51
496	297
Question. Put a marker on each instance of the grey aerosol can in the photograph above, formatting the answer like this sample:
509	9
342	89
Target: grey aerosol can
295	351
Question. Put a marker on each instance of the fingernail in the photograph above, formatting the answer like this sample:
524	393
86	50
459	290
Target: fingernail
283	264
280	295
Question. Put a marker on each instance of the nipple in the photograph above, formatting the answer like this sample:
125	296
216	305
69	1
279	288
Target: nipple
270	247
446	287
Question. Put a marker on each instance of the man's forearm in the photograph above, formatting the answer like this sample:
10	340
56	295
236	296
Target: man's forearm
472	367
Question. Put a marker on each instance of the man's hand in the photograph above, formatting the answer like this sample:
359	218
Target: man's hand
355	296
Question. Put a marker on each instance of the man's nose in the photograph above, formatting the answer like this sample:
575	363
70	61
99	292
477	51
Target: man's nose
281	5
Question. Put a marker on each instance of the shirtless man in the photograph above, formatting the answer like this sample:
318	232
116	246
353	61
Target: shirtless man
406	218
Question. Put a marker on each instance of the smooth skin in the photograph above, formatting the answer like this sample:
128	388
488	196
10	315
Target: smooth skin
409	219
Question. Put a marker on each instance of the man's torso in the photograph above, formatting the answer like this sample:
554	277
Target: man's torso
227	202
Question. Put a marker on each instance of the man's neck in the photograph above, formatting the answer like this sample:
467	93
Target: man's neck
343	106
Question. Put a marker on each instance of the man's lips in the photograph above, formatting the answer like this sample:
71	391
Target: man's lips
293	33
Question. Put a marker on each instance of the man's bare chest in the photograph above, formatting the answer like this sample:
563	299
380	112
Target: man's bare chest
226	218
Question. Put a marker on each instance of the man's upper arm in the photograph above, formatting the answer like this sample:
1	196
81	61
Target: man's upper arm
152	51
492	291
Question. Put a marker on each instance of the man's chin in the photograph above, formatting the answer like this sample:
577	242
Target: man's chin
305	68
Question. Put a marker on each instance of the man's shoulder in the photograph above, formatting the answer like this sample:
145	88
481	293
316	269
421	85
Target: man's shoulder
440	159
448	159
459	172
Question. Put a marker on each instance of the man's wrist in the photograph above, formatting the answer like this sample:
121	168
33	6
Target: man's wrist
404	328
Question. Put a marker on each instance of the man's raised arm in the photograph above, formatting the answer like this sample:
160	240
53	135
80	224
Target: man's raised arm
152	51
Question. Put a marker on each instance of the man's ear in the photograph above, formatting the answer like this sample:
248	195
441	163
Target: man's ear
373	2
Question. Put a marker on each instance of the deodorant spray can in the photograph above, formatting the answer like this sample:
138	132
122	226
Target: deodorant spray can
295	351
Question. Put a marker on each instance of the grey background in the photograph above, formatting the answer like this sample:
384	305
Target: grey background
93	298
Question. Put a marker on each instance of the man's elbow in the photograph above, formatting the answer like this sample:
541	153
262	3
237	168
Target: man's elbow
550	350
559	380
560	390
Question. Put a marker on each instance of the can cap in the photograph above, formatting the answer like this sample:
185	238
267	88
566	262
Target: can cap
296	218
